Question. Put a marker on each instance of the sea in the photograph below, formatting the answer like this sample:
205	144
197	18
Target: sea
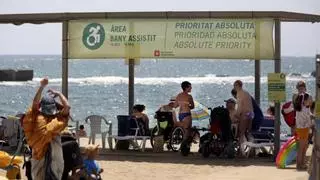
101	86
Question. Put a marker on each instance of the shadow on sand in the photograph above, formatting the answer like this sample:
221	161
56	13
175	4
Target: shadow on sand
176	158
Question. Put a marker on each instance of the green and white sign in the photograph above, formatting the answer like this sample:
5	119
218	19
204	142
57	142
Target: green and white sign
93	36
171	38
277	87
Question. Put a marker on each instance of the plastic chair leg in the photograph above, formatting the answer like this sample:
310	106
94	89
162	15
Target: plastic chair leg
110	139
143	144
103	139
92	138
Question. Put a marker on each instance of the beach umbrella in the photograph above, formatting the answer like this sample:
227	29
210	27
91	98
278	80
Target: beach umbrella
200	112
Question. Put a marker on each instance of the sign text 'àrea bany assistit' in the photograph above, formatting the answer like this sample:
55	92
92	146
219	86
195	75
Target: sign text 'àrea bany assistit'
171	38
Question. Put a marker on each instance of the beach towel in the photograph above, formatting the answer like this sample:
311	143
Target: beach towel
289	114
51	166
40	131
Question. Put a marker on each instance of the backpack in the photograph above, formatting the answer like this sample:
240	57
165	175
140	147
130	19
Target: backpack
220	123
289	114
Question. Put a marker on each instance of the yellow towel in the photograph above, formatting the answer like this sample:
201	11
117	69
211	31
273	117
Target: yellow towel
5	159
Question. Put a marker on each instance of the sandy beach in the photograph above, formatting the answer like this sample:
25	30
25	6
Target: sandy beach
123	165
180	168
130	165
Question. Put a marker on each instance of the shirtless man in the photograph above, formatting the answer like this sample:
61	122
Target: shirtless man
244	110
185	101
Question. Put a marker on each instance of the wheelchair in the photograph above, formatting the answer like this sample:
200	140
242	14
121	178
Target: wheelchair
220	139
172	136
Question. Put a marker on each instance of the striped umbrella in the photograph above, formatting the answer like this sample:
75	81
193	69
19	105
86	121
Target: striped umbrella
200	112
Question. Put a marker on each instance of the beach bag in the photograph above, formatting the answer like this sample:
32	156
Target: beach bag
158	144
289	114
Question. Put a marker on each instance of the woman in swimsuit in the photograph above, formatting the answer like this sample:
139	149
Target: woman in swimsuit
142	119
185	101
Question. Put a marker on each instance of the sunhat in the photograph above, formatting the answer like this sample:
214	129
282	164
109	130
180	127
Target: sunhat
48	105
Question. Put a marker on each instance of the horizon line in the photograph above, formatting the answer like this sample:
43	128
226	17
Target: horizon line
303	56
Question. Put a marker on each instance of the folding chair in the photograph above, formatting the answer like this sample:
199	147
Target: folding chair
128	130
262	138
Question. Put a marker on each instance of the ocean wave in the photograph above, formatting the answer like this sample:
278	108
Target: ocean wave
111	80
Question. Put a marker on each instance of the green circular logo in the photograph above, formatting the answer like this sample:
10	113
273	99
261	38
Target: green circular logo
93	36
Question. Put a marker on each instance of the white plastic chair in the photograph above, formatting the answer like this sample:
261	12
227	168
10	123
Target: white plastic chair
95	122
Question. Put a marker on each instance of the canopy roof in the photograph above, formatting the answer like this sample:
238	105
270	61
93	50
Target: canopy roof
39	18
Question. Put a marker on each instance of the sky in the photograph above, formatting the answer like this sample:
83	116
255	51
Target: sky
298	39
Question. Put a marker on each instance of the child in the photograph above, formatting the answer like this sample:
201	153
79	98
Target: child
81	132
91	164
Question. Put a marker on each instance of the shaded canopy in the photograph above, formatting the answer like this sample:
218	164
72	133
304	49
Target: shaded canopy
39	18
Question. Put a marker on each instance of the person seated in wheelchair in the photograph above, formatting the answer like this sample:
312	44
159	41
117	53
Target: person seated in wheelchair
168	107
231	107
166	117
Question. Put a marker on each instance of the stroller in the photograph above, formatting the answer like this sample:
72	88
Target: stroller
73	161
220	139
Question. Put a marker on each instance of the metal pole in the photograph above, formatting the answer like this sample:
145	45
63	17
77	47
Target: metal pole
257	81
277	69
318	77
315	163
131	85
65	58
257	71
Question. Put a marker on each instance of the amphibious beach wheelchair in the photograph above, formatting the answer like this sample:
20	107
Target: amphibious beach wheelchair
220	139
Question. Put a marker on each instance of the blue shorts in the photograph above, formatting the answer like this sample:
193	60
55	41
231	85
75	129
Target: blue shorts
183	115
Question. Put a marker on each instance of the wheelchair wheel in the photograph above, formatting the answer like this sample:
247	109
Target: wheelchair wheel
206	150
176	139
230	150
153	134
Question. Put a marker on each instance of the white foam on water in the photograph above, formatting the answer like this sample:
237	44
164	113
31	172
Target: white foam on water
112	80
